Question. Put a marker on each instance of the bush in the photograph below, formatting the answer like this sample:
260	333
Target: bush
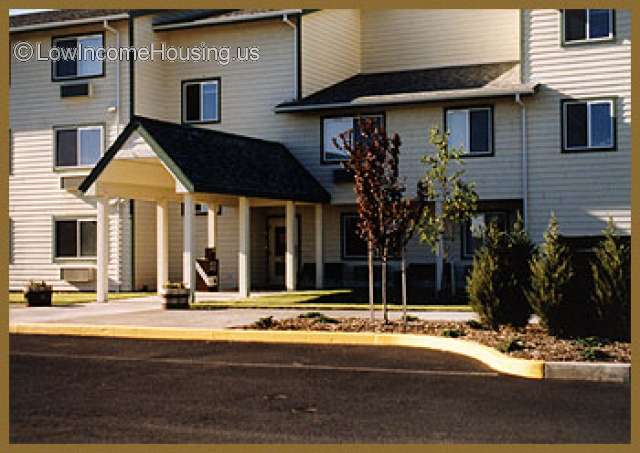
551	279
612	286
500	277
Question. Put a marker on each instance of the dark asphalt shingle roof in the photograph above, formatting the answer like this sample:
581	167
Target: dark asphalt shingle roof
60	15
180	15
224	163
401	82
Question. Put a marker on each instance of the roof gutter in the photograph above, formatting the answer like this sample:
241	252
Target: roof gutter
228	19
68	23
397	100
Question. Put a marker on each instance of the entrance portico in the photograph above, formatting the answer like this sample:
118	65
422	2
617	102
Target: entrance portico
169	163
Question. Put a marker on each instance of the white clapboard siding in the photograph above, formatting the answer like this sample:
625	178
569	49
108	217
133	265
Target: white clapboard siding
583	189
330	48
400	39
35	197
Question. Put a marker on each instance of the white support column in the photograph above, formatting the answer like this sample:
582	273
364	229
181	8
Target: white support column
244	247
188	263
212	225
102	280
319	248
290	252
162	243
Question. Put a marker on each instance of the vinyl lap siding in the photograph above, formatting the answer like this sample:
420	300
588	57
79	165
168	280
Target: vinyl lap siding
583	189
35	197
400	39
330	48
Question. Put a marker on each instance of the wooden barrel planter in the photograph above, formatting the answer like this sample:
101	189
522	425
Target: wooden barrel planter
38	294
176	296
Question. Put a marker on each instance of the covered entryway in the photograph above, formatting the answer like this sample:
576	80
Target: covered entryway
168	163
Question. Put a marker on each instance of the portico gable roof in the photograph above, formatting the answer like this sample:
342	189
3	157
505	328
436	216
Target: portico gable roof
208	161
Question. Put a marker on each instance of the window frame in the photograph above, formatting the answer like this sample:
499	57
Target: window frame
587	40
491	132
588	101
77	128
343	242
183	99
354	116
78	221
463	231
76	36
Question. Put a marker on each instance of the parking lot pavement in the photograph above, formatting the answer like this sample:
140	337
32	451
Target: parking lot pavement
67	389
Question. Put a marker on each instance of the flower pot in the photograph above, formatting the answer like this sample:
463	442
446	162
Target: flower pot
176	298
38	298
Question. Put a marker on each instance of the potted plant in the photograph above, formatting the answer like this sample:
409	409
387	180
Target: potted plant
38	294
175	296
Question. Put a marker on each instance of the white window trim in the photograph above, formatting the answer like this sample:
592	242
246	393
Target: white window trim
78	147
353	119
588	103
468	110
78	38
79	256
609	37
217	101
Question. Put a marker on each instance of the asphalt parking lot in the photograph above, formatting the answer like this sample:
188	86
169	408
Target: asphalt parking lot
86	390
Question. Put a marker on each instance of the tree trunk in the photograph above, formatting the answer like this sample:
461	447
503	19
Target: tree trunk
371	293
403	270
384	286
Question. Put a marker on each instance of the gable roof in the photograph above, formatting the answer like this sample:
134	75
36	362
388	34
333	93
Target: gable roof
217	162
413	86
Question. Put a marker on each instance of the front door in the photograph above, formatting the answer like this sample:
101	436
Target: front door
277	247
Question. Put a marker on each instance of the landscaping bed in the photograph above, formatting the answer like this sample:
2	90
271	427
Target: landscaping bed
530	342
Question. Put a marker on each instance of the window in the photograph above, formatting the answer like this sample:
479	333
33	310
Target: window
201	101
588	125
584	25
200	209
78	147
353	246
76	238
472	231
470	129
81	57
334	126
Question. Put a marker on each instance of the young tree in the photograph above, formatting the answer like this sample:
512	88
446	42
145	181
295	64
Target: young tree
454	199
612	285
365	148
551	274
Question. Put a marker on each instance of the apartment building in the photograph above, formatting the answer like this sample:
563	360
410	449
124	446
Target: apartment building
122	173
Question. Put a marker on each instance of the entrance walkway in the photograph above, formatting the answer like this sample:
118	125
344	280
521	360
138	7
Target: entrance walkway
148	311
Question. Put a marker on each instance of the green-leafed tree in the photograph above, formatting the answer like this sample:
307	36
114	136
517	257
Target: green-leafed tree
551	274
611	272
453	201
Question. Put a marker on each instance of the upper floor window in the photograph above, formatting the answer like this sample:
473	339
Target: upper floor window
584	25
78	57
75	238
78	146
332	127
470	129
201	101
588	125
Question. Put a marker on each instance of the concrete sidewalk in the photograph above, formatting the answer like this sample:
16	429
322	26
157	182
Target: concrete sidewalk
148	312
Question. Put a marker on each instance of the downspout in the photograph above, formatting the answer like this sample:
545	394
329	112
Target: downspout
285	19
525	163
117	33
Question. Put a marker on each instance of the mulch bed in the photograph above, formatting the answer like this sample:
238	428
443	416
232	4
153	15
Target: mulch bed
530	342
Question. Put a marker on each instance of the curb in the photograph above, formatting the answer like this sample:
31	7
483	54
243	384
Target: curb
532	369
604	372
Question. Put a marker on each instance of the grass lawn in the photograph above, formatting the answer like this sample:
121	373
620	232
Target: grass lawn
341	299
69	298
